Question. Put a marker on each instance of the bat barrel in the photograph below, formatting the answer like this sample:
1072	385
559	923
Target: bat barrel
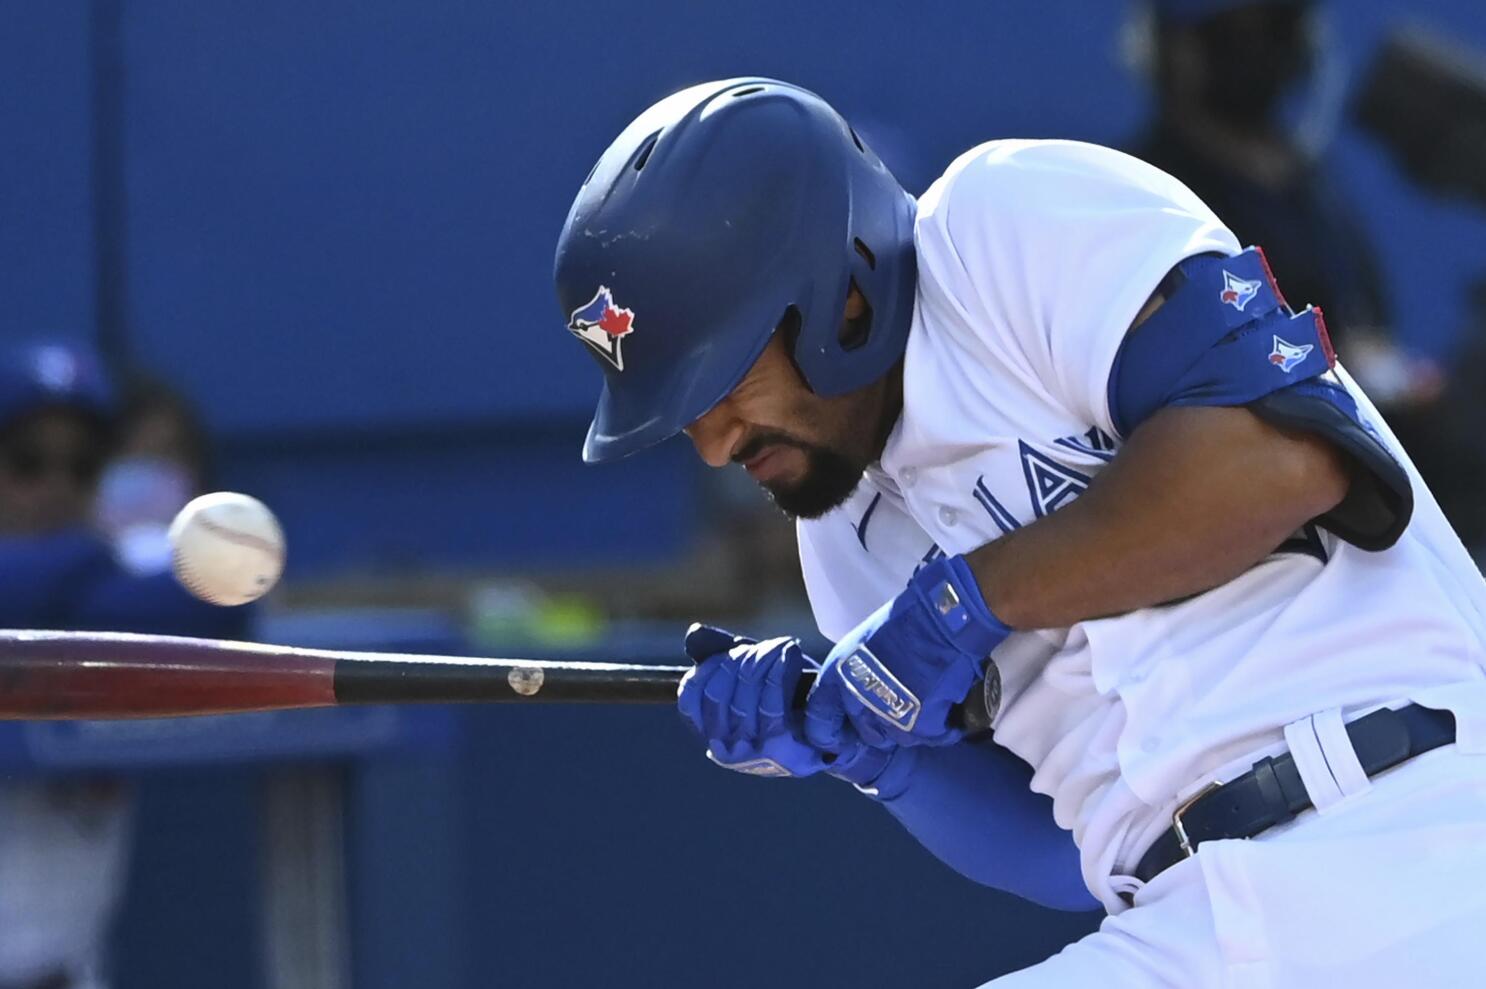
46	675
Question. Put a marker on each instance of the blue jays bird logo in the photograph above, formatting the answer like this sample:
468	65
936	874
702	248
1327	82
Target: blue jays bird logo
1237	292
1286	355
603	326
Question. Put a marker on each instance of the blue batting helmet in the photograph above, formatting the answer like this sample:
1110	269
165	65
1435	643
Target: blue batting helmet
53	374
718	215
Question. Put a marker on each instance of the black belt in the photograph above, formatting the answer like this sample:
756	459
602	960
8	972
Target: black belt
1272	792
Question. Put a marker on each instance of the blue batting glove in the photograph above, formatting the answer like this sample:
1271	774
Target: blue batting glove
740	698
897	675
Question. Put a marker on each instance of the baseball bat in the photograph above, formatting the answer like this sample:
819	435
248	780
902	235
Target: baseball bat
116	675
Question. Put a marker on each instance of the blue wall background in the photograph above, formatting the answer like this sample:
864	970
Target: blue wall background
334	221
334	228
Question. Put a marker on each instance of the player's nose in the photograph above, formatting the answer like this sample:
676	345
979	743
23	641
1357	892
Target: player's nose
715	435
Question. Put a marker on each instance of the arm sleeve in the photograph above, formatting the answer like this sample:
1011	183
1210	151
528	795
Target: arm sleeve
1049	249
971	805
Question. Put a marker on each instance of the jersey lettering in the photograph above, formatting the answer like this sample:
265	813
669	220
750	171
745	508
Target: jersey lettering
1096	443
1004	520
1049	483
934	553
1307	542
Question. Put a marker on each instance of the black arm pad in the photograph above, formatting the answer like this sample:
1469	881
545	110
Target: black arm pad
1380	500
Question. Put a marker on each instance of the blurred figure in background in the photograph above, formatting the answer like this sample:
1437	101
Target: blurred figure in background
1247	97
1225	72
64	843
1231	78
160	462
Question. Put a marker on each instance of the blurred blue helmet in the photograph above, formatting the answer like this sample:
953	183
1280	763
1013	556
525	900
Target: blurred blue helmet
40	375
720	214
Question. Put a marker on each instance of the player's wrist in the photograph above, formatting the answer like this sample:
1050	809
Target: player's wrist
906	666
952	598
859	766
887	774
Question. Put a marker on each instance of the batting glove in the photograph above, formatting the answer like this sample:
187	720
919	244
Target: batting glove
897	676
740	698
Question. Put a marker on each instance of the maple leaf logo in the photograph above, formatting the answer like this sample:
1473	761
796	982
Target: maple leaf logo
603	325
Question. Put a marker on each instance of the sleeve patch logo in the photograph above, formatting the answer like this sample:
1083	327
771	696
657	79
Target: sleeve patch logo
872	684
1286	355
1237	292
603	326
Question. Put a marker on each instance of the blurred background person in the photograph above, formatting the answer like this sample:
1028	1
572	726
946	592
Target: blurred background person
1246	98
64	842
160	461
1248	94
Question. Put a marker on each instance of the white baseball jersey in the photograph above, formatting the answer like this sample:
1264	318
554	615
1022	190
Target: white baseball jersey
1034	257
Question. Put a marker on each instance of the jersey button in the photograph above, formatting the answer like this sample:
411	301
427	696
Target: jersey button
948	516
908	475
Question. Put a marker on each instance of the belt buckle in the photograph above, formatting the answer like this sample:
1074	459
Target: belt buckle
1176	818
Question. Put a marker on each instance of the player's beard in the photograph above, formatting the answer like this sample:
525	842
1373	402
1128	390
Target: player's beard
829	478
834	465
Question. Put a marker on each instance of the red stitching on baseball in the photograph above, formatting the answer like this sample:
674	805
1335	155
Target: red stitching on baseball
241	538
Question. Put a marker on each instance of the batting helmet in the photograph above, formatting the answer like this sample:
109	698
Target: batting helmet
719	214
53	374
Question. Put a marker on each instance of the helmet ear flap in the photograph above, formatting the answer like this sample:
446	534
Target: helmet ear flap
853	333
856	330
787	330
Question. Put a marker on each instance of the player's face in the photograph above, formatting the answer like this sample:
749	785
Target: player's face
806	451
49	463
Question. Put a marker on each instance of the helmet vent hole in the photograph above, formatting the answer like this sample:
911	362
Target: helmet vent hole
747	91
866	253
644	154
856	329
856	140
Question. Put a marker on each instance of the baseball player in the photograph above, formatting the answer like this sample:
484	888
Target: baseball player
1052	427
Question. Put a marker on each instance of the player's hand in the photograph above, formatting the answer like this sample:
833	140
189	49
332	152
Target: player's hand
740	698
897	676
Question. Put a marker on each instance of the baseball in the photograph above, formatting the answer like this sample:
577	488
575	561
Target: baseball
227	548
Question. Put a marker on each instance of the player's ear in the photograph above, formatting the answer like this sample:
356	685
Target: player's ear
856	323
856	303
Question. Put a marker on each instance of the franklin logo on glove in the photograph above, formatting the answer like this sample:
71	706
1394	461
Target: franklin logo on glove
874	686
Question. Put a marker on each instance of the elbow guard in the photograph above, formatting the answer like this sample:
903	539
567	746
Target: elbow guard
1226	337
1380	500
